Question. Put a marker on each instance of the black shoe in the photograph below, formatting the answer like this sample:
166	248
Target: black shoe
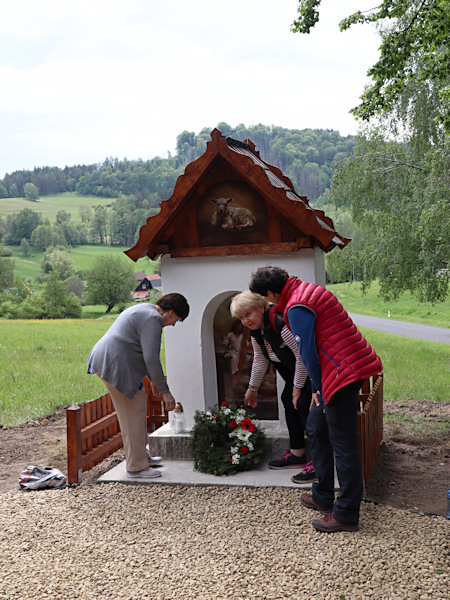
308	474
288	461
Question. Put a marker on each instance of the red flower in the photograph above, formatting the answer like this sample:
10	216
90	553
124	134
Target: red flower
230	460
248	425
224	404
243	450
233	424
217	416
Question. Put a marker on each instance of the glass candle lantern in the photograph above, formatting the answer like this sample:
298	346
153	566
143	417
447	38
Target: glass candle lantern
178	419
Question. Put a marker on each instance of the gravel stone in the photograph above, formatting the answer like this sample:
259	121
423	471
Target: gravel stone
165	542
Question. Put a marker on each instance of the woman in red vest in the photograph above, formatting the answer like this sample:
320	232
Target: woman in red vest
338	359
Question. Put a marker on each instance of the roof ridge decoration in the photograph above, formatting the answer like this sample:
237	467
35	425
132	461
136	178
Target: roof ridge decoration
269	180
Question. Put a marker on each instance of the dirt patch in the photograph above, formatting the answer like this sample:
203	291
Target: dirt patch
411	472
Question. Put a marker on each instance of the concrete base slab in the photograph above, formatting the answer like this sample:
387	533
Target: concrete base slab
182	472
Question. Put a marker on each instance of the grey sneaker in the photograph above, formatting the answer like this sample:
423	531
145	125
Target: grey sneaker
145	474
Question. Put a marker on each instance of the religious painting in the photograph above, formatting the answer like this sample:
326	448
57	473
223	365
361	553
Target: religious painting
231	212
234	356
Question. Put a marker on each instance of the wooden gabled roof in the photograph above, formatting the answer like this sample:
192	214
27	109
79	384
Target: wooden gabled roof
244	162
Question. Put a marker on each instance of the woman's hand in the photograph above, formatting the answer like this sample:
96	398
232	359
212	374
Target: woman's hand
251	398
296	393
155	391
169	401
315	399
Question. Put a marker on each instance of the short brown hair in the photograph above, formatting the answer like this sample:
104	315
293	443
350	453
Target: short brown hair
175	302
268	279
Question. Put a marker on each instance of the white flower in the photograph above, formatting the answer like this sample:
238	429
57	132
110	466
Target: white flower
235	459
226	411
241	434
250	446
234	449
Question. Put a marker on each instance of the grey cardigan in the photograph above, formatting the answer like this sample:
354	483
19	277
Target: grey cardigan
130	349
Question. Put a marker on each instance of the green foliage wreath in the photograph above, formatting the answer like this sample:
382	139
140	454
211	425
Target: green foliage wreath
225	440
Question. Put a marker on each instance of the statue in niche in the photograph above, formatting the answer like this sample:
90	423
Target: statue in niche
231	217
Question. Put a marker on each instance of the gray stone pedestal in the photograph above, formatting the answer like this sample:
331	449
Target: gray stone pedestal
174	446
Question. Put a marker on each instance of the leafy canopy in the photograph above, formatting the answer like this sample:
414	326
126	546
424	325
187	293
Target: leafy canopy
110	281
416	48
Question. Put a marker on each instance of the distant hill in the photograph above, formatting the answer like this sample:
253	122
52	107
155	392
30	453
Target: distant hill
306	156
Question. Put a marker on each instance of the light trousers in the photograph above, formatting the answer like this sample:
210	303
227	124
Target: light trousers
132	416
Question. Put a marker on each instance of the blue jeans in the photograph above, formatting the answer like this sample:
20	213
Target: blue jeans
333	435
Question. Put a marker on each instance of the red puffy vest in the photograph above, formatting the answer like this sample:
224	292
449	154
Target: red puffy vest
345	355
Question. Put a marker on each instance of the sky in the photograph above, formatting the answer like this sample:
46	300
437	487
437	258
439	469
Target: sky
83	80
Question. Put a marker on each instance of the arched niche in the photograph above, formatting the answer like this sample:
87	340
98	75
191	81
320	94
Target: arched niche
226	373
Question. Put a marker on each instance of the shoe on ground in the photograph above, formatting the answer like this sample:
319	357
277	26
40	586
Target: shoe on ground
328	524
145	474
288	461
154	461
306	475
308	501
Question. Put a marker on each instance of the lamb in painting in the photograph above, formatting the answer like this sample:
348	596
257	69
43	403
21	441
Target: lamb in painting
231	217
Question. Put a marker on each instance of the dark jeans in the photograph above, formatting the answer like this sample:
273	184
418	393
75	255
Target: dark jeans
296	418
333	435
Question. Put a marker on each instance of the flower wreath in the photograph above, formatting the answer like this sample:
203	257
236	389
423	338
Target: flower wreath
225	440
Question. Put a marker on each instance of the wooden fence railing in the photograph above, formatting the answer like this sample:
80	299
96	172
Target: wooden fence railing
370	423
93	431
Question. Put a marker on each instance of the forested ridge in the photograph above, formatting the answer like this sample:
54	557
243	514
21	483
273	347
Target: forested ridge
306	156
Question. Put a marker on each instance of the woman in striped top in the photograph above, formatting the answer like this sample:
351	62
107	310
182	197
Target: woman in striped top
274	343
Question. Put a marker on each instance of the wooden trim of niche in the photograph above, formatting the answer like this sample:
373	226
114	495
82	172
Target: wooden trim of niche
282	247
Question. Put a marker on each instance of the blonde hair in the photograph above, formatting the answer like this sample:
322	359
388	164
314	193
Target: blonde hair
246	301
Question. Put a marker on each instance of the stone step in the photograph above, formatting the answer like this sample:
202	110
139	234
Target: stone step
174	446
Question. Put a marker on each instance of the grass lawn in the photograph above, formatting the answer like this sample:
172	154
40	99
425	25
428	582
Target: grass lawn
406	309
412	368
44	365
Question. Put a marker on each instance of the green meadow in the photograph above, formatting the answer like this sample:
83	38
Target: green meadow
407	308
28	267
48	206
44	365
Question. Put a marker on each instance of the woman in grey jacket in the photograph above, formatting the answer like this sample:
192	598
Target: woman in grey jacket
127	352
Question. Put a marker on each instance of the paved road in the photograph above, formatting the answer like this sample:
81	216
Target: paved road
423	332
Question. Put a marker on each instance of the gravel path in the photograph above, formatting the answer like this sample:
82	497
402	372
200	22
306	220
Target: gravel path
164	542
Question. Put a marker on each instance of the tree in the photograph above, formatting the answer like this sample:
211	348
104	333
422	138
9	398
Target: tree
43	236
58	262
55	302
25	247
110	281
98	225
396	182
402	199
22	225
414	48
31	192
6	272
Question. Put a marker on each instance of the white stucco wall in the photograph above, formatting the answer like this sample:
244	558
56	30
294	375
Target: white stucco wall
206	282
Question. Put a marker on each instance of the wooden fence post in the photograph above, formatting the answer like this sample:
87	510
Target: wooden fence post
73	445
